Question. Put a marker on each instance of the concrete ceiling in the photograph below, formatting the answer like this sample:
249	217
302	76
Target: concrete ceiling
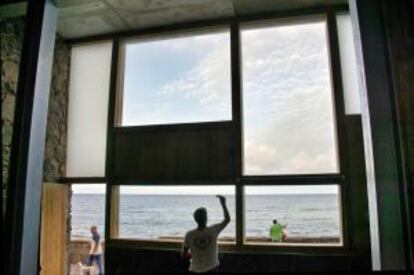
81	18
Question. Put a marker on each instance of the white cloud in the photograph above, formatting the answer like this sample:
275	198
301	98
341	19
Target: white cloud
287	101
196	89
286	88
209	82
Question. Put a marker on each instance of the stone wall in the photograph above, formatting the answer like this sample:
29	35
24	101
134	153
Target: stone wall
12	31
56	133
11	38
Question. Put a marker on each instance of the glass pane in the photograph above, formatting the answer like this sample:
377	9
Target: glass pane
348	64
288	114
88	110
309	214
87	209
177	80
166	212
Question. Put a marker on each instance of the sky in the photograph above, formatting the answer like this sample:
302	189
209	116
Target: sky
207	190
287	102
184	79
288	121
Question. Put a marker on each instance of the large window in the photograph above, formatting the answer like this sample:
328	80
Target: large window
177	79
87	209
289	131
288	114
310	214
270	92
166	212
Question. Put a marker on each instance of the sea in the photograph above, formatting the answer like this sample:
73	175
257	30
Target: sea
158	216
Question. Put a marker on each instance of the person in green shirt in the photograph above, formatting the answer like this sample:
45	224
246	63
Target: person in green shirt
277	233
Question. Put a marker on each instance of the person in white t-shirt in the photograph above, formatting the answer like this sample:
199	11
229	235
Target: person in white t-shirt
200	244
95	253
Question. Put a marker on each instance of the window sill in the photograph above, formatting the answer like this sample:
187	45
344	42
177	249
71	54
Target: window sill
233	248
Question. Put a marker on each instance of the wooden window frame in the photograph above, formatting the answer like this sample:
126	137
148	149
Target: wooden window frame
339	179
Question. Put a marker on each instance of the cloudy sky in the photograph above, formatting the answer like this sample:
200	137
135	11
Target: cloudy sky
208	190
287	102
185	79
289	126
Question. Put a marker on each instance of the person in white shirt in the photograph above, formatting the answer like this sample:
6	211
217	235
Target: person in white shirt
95	252
200	244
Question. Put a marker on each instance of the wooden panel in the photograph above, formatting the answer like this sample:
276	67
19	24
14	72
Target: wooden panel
122	260
178	152
53	238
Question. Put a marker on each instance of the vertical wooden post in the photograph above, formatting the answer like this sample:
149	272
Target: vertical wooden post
114	210
237	127
381	141
112	192
21	249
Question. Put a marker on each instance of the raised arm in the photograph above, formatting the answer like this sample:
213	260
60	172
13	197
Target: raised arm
226	213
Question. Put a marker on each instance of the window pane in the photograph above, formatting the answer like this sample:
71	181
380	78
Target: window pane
88	109
288	119
166	212
311	214
87	209
176	80
348	64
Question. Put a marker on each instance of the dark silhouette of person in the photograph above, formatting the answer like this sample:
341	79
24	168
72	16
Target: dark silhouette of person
200	244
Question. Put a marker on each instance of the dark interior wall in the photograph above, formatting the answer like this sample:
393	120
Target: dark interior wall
355	199
399	24
141	261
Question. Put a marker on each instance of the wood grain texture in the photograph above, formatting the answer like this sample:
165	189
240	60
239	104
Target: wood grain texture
53	240
176	153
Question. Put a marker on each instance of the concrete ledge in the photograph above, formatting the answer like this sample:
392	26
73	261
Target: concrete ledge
79	250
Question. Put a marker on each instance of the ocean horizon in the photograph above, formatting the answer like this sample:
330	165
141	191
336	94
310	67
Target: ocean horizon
162	215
